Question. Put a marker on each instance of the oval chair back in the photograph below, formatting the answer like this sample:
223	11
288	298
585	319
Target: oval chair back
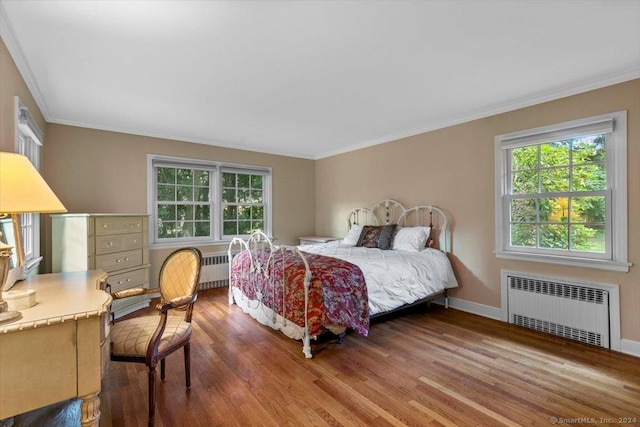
179	276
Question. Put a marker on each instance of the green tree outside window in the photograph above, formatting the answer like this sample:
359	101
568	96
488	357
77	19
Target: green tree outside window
242	203
557	198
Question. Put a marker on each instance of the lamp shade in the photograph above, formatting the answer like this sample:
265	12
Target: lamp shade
22	189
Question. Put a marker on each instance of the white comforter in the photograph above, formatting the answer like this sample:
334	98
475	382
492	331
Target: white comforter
394	278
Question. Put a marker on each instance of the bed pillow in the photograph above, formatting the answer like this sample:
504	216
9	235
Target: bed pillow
377	236
353	236
411	238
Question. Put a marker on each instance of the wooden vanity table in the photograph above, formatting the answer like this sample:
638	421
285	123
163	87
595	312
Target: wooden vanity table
60	347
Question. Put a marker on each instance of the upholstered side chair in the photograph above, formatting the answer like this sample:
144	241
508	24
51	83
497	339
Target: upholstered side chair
149	339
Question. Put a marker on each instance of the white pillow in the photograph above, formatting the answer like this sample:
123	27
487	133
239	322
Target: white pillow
353	236
411	238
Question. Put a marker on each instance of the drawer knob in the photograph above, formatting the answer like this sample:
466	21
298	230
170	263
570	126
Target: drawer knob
118	260
119	282
126	259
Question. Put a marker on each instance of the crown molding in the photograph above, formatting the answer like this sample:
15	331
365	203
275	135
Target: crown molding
552	95
563	92
171	137
8	35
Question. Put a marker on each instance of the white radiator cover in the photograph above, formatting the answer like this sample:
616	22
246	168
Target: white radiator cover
215	271
576	310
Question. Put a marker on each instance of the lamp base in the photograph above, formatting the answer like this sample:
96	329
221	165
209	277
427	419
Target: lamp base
9	316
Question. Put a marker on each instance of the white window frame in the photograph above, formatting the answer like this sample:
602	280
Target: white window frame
29	142
266	176
215	181
616	257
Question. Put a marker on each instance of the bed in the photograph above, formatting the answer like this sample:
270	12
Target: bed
391	258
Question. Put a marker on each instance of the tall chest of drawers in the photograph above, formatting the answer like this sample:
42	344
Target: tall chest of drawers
115	243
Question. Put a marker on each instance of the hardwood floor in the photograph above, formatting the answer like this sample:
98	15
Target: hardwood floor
445	367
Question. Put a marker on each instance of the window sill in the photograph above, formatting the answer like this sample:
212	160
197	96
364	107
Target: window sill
196	243
596	264
31	267
175	244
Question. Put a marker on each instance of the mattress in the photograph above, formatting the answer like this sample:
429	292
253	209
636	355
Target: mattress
393	277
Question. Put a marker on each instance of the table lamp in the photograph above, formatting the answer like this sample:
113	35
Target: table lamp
22	190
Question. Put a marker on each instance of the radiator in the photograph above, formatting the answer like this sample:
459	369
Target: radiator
572	310
215	271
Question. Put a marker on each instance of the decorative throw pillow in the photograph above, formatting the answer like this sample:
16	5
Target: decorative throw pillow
353	236
411	238
386	236
377	236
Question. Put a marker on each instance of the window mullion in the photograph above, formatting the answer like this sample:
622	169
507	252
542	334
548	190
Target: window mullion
215	203
538	220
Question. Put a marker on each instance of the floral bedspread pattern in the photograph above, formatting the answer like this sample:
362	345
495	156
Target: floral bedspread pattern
337	292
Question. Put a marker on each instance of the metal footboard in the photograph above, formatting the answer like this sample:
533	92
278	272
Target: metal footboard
261	268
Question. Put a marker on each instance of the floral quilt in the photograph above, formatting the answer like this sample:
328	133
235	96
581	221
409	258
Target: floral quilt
337	292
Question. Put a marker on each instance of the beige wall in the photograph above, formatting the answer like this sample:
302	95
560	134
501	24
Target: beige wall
454	168
106	172
11	85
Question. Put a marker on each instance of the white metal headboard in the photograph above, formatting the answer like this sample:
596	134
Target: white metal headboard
389	211
431	216
384	212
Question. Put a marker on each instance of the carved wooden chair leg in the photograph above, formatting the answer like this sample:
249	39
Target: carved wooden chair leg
161	369
152	395
187	364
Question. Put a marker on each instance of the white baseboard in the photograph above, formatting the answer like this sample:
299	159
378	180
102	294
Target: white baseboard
471	307
629	347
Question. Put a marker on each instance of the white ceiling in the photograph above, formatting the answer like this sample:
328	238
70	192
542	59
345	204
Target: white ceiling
311	78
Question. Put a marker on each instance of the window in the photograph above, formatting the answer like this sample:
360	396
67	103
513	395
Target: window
183	202
199	201
29	139
561	193
242	202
